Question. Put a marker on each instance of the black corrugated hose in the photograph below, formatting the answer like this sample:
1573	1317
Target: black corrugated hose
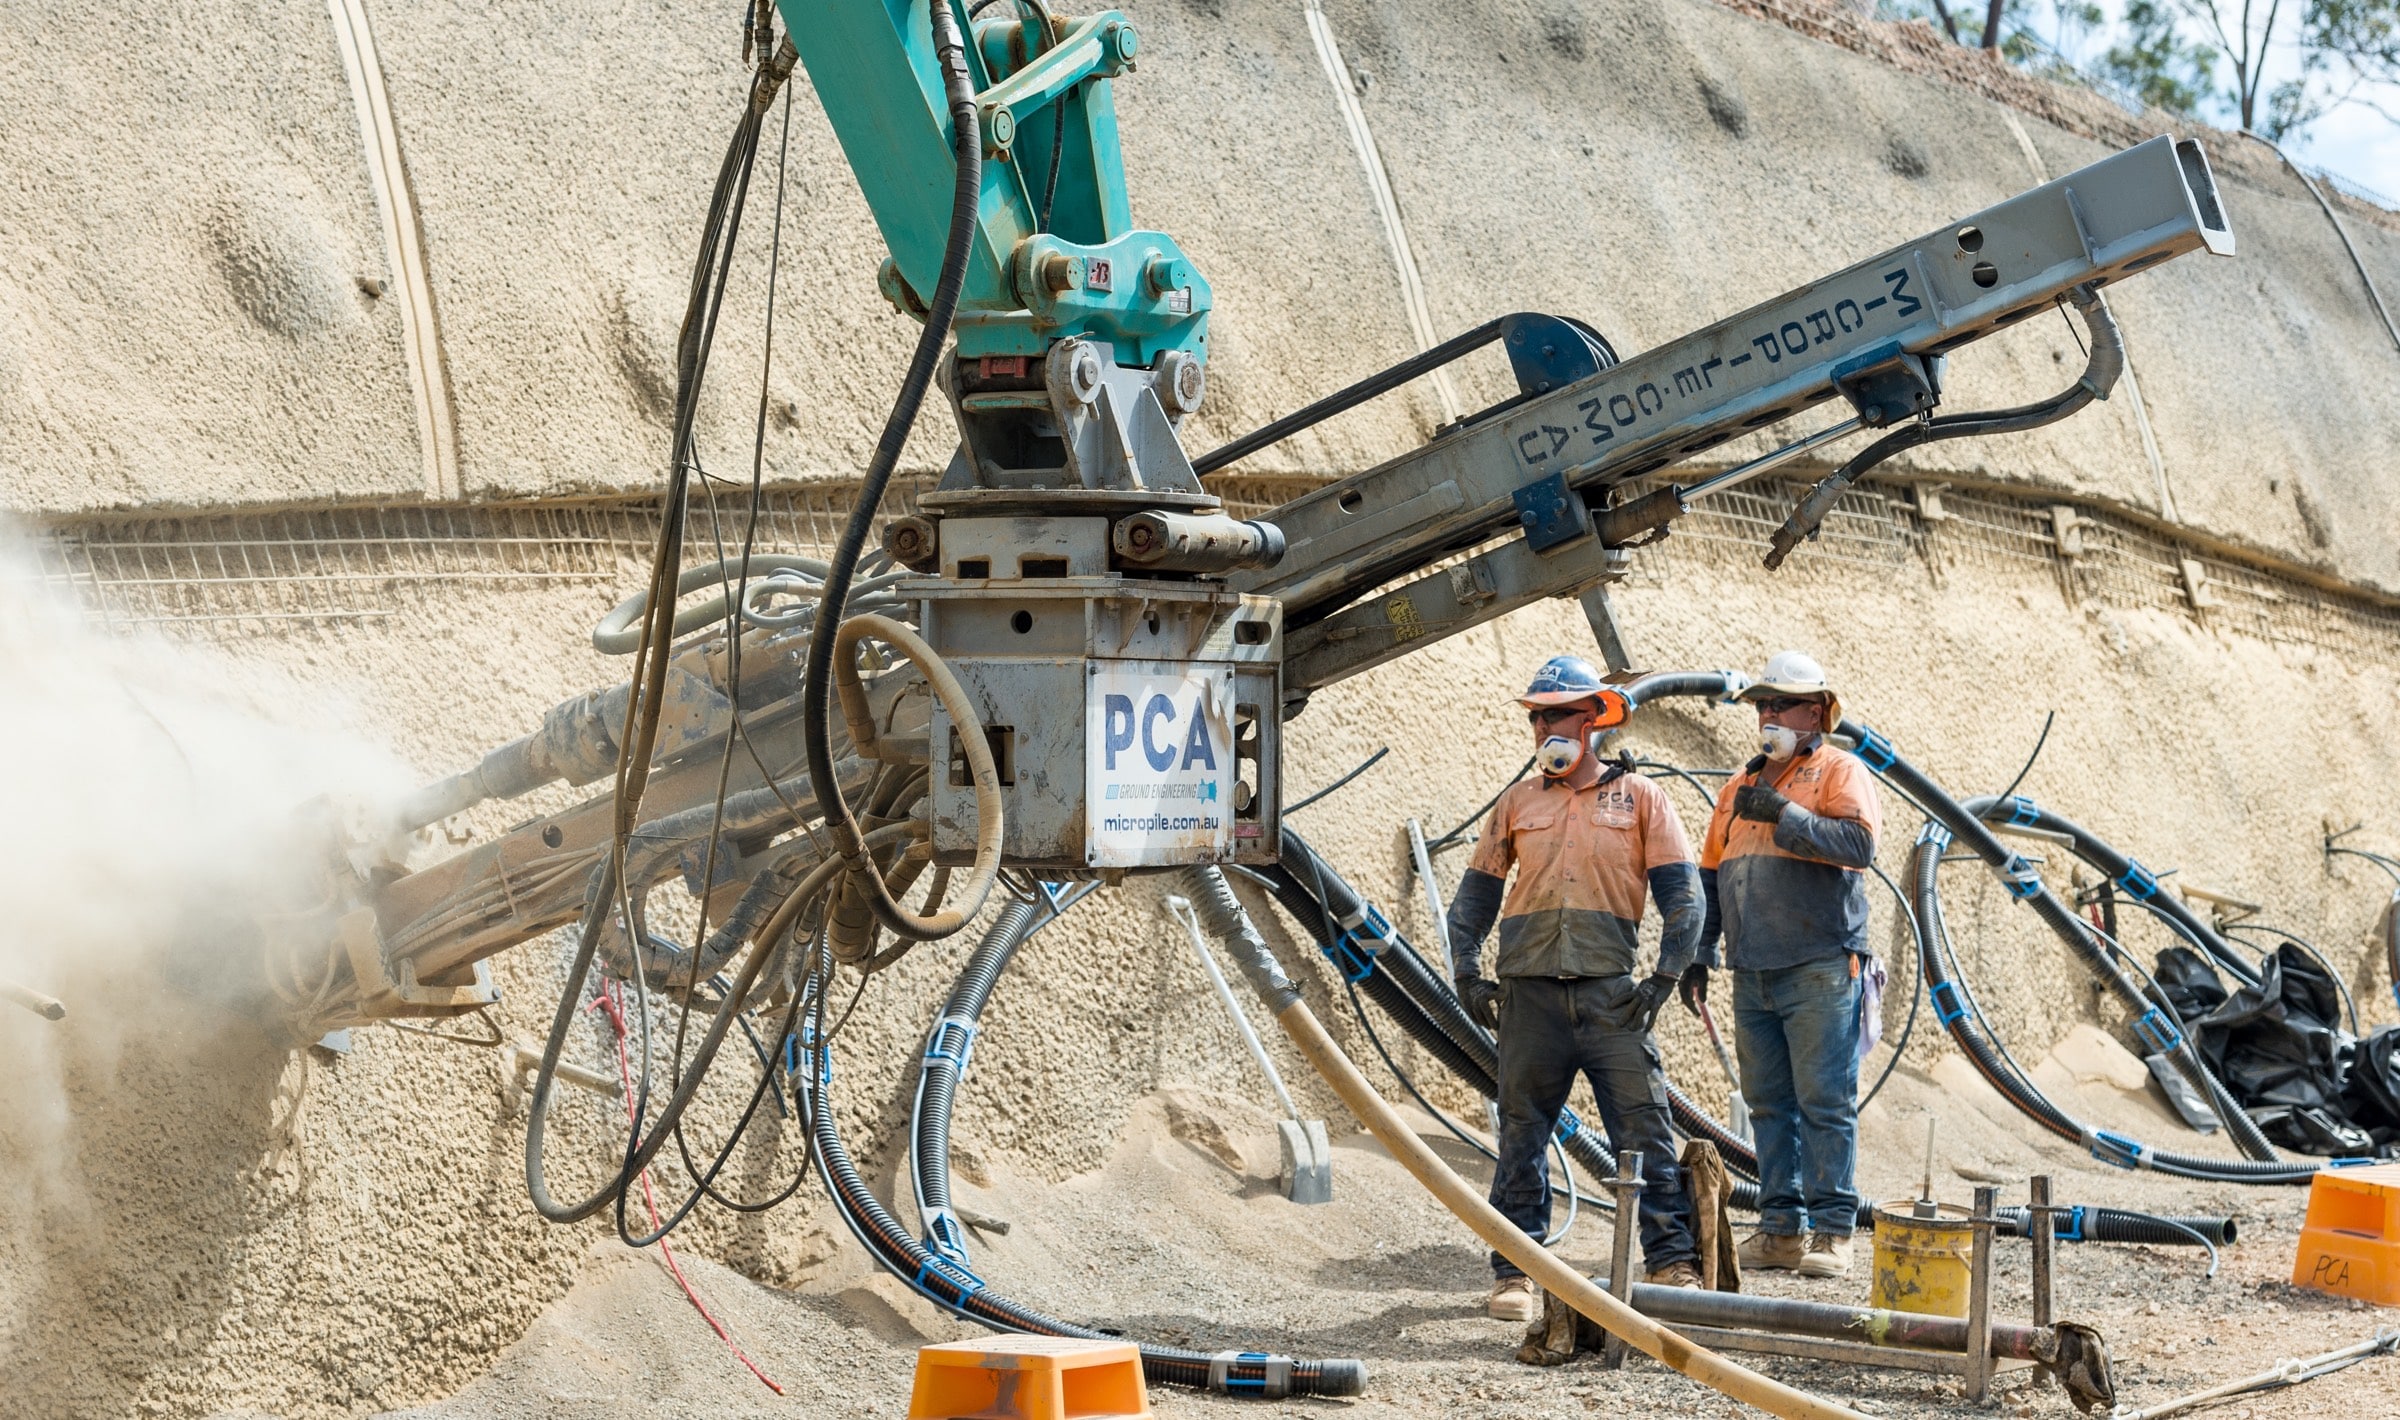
955	1289
1952	822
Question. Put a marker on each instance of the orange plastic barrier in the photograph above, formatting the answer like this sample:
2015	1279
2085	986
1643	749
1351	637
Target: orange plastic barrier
2350	1244
1029	1378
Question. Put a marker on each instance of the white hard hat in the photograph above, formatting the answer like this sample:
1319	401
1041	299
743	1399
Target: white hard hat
1796	673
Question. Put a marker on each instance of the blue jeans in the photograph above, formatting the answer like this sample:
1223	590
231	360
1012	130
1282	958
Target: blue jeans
1796	1030
1550	1031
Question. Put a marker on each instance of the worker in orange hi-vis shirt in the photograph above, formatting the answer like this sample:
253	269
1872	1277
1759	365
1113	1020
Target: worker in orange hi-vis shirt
1782	874
1589	842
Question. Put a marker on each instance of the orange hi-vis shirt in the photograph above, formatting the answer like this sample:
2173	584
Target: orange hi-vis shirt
1794	891
1582	851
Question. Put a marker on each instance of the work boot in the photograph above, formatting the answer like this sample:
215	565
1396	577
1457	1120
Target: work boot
1772	1252
1676	1274
1512	1299
1828	1256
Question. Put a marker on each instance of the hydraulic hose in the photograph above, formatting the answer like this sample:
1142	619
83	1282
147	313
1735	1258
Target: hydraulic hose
1966	1027
955	1289
2125	875
2105	363
1950	822
2115	1225
958	88
2155	1023
947	1051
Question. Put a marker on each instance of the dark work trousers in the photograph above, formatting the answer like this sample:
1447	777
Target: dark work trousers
1552	1029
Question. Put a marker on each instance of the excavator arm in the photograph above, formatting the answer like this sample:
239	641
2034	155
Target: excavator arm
1076	578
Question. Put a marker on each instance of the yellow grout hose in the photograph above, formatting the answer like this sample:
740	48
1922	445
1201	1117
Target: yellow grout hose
1643	1334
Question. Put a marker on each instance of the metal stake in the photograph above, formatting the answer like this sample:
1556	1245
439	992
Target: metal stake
2044	1245
1627	1186
1433	892
1979	1295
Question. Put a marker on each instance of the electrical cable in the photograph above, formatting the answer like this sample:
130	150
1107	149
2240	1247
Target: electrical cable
1438	844
2038	741
1369	763
719	236
2339	230
818	672
2349	1006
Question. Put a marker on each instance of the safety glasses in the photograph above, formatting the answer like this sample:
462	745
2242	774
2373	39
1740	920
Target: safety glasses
1553	714
1783	704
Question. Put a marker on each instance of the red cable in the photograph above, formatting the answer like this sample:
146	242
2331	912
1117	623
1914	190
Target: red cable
608	1005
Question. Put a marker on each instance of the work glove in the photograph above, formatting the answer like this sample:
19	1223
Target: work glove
1694	987
1481	996
1649	996
1758	803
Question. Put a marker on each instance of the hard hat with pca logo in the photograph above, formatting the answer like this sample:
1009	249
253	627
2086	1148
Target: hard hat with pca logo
1563	680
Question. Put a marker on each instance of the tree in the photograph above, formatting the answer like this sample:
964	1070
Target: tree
2360	38
2156	64
2269	66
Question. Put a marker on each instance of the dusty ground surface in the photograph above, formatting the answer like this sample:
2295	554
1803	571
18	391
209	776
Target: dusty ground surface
1169	1241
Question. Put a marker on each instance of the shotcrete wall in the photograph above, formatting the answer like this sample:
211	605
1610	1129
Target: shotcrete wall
215	1223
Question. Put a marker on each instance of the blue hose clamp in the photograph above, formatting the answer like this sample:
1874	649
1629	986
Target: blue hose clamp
2021	878
1875	751
1343	952
941	1228
2024	812
2113	1148
961	1281
1934	834
1947	1006
2138	882
1354	949
2073	1232
953	1040
2157	1031
1568	1127
1274	1380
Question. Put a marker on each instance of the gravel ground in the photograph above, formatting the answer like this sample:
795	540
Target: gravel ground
1182	1238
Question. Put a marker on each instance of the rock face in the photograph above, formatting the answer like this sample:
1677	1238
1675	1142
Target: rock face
197	317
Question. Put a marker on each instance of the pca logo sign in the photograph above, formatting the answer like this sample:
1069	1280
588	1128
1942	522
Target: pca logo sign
1158	764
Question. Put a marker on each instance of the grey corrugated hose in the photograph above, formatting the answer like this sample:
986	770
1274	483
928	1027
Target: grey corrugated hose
1225	919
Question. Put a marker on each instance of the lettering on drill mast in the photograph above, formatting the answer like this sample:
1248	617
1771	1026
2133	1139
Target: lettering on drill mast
1159	769
1735	361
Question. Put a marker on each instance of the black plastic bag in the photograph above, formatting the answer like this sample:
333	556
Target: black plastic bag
2372	1091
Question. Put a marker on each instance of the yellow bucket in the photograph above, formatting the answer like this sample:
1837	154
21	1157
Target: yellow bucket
1921	1263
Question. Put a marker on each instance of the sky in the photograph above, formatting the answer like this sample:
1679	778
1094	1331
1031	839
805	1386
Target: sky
2353	141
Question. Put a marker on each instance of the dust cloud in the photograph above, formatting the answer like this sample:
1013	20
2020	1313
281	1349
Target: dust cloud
157	801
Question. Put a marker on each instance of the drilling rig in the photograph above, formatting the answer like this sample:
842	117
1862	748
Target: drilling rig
1068	660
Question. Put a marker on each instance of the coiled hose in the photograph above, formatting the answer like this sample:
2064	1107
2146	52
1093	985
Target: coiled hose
1949	822
957	1290
1985	1053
